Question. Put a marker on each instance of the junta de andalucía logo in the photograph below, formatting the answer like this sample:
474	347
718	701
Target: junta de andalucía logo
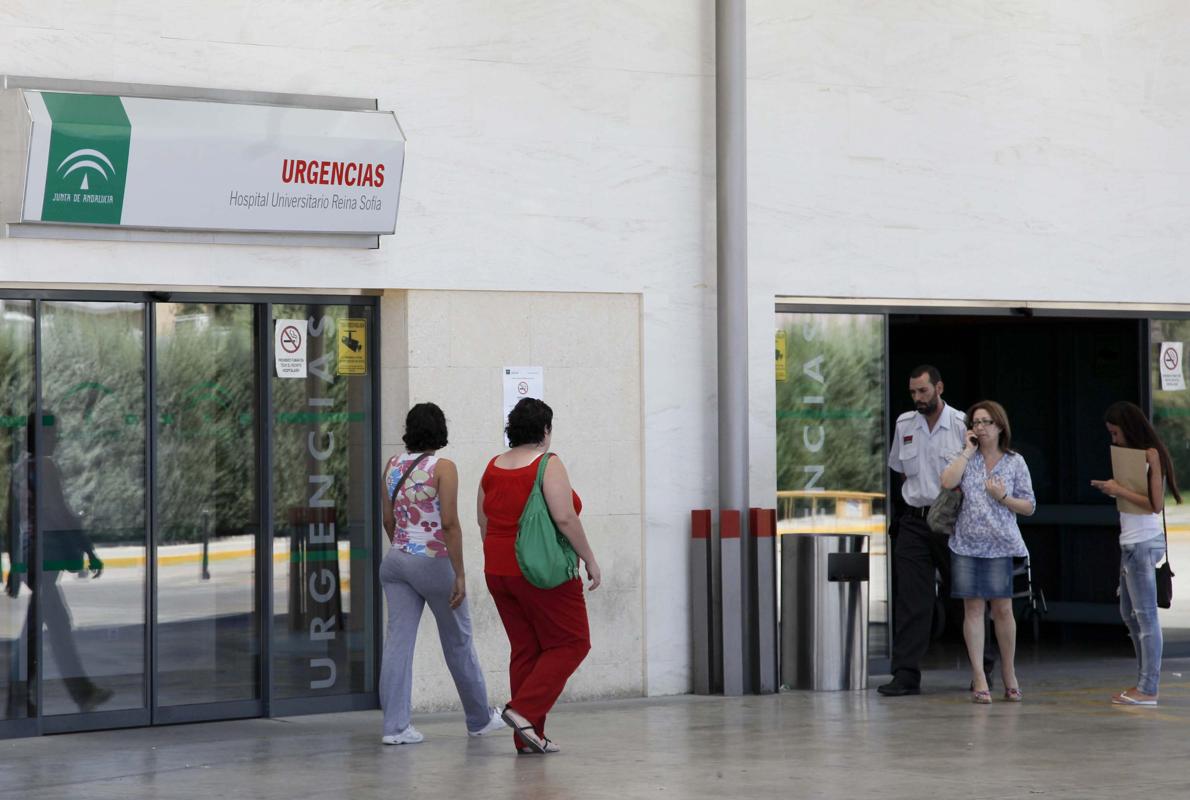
88	162
87	168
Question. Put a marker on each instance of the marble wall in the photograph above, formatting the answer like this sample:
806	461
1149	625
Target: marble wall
449	348
552	147
968	150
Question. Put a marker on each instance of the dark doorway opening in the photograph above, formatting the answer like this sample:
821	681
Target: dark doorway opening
1055	376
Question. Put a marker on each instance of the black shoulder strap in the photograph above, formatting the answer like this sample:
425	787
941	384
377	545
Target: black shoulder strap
1165	533
392	498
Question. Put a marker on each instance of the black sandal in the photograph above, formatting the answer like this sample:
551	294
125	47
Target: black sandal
529	735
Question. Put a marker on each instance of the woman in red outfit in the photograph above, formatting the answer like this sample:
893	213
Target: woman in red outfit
547	628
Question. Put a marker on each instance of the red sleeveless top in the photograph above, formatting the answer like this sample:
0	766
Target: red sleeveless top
505	492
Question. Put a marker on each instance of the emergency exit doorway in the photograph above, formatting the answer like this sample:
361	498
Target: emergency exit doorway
842	379
186	532
1055	376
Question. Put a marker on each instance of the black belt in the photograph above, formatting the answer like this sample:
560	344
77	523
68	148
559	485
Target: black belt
918	512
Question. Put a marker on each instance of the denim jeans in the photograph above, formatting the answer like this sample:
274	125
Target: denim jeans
1138	607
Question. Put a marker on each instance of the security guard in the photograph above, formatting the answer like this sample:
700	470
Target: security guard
923	443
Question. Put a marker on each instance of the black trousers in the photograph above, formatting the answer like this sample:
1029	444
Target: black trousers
917	553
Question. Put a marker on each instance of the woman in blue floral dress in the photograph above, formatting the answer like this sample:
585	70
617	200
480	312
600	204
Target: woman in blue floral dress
996	489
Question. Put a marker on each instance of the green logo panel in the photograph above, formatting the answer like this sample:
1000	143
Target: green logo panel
88	164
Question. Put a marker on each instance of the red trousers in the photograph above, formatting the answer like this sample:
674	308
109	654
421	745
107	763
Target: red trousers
548	632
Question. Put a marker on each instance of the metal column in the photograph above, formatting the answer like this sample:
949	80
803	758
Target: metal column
732	317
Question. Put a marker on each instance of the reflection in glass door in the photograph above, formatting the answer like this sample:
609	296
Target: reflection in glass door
207	520
324	527
89	479
830	440
16	409
217	563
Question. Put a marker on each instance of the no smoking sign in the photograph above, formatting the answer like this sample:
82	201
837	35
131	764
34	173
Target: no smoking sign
1169	361
291	339
289	348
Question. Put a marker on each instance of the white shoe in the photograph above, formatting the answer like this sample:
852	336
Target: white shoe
410	735
496	723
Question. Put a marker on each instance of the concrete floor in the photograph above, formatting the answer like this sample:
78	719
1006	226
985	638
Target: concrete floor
1064	741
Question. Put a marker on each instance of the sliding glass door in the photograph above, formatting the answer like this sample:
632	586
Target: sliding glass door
207	507
17	390
86	476
188	533
324	523
831	435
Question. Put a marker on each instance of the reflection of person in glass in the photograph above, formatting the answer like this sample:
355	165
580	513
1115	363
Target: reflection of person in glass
37	485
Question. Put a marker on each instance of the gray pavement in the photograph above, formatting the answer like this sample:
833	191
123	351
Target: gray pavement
1064	741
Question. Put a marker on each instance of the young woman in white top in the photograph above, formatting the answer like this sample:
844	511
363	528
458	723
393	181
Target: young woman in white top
1142	546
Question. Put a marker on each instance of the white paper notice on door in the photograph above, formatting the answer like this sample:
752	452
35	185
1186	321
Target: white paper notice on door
1170	359
289	348
519	383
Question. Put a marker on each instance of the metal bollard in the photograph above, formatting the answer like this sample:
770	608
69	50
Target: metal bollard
824	611
702	610
732	560
763	524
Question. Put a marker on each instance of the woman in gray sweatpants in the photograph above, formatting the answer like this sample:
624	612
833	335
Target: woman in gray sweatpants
425	566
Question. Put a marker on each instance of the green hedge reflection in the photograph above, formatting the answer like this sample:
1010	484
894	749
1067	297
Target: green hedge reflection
847	352
1171	410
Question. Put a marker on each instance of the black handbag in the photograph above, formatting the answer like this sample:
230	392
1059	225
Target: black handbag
945	510
1164	572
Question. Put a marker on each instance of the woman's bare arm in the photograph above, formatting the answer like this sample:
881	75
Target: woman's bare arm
558	496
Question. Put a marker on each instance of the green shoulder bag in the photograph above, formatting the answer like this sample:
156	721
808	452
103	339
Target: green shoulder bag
545	556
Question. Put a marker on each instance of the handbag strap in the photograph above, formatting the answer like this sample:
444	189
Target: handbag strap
393	497
1165	535
541	469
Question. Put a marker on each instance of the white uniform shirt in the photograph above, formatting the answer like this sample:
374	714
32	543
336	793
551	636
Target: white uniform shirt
921	454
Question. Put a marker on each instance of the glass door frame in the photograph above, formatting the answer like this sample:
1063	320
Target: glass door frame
265	705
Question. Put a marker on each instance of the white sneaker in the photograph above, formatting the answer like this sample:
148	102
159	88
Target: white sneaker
410	735
496	723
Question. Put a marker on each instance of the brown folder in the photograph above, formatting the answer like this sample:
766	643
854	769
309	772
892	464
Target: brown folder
1130	468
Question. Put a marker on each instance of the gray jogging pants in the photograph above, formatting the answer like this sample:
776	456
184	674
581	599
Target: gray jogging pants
410	582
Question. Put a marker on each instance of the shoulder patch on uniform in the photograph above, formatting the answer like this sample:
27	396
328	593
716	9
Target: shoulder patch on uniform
908	415
962	417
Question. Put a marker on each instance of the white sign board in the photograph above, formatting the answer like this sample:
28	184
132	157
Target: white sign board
144	162
1169	356
521	382
289	348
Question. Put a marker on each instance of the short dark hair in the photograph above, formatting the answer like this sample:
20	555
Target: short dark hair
926	369
425	428
528	422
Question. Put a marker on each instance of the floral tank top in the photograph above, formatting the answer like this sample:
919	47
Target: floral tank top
417	513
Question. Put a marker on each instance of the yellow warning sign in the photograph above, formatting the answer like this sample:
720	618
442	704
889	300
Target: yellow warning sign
353	347
780	356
